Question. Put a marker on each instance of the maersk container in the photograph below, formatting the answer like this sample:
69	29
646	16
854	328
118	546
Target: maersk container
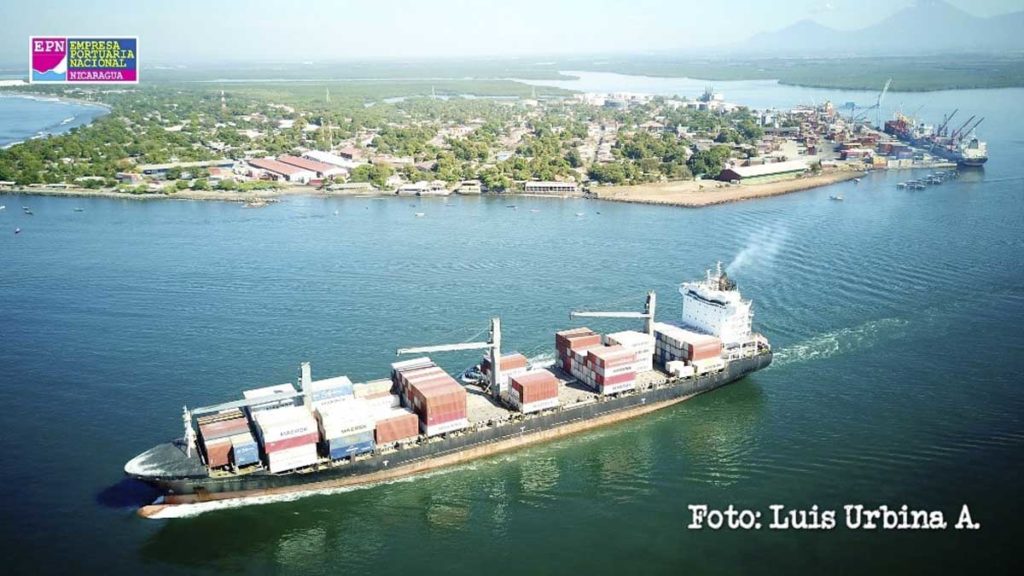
292	458
271	397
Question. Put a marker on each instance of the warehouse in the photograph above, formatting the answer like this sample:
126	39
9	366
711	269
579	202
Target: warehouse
281	171
321	169
763	173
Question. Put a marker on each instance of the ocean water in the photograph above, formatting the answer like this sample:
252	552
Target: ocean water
895	315
22	118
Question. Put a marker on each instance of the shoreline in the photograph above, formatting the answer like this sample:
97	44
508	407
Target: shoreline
701	193
681	194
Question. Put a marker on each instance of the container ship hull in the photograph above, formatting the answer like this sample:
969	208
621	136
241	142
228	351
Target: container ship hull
185	480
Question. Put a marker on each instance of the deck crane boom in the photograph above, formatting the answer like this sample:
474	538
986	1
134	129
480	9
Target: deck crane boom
647	314
945	122
957	132
493	344
967	132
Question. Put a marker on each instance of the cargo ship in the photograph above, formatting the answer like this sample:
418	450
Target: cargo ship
333	433
959	145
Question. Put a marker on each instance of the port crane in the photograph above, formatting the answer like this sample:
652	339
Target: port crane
493	344
877	106
647	315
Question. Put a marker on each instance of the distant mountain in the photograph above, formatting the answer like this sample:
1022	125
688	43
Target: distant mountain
930	26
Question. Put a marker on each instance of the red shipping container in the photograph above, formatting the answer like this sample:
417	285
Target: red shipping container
223	428
608	356
508	362
218	453
439	401
617	379
294	441
535	386
397	428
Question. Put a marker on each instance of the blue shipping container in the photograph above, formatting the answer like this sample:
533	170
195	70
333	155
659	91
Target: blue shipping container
350	445
341	391
245	454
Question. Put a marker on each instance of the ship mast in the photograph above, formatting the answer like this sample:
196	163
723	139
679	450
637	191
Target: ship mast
190	434
493	344
647	314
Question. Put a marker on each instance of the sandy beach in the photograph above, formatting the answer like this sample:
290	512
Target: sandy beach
694	194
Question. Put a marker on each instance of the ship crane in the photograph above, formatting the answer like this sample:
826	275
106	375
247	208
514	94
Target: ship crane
647	315
960	130
967	132
493	344
942	127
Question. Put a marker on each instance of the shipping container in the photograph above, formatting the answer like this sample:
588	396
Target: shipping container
534	391
373	387
444	427
292	458
349	445
438	401
218	452
244	450
277	428
223	428
344	418
330	388
278	396
399	425
407	365
707	365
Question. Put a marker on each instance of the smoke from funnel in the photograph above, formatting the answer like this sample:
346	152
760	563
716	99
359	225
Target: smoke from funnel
760	250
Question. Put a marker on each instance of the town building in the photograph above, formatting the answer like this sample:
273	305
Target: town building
160	170
321	169
332	159
550	187
275	170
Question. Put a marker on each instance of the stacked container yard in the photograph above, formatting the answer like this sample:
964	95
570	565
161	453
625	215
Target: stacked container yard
397	425
609	369
640	342
673	343
513	364
534	391
346	427
572	344
218	433
289	436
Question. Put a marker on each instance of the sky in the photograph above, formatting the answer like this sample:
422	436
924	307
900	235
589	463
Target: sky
189	31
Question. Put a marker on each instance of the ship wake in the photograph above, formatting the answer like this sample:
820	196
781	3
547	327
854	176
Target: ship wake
839	342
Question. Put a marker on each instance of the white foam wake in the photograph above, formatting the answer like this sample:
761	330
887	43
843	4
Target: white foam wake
839	342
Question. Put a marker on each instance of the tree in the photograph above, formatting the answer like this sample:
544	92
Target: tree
227	184
201	184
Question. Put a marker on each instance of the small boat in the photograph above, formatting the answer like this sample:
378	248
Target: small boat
336	212
420	214
28	212
17	230
901	185
856	180
579	214
79	209
2	207
534	210
512	206
472	375
836	197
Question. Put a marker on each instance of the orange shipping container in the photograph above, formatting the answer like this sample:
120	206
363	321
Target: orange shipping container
402	426
535	386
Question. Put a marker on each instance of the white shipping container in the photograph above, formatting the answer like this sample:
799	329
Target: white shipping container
443	427
708	365
615	388
292	458
283	423
537	406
